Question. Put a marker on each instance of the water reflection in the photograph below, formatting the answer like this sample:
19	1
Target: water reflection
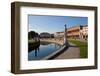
41	49
35	47
45	43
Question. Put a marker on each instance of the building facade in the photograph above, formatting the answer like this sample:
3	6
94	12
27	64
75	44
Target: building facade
84	33
45	35
59	34
74	32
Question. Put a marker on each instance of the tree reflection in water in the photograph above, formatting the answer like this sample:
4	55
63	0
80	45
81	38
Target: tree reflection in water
35	47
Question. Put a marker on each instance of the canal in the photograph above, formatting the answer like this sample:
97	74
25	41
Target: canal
42	50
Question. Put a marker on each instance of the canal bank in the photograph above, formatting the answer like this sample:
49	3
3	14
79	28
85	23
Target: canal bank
52	40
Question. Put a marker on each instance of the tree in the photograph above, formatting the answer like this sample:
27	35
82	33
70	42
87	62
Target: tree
32	34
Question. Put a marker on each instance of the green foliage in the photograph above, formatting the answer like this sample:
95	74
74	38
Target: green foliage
83	47
32	34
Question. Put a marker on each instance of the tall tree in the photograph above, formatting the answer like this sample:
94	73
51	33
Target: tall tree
32	34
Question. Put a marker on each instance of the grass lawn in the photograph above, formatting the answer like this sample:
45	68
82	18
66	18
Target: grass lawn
83	47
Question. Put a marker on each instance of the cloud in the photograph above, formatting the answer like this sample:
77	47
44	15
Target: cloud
38	28
31	28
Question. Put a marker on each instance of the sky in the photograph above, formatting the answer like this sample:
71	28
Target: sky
52	24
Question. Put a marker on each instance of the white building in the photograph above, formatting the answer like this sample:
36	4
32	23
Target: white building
59	34
84	32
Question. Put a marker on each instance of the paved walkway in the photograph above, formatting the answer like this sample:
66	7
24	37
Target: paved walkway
71	53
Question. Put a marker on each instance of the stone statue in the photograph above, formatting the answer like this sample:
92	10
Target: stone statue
65	36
